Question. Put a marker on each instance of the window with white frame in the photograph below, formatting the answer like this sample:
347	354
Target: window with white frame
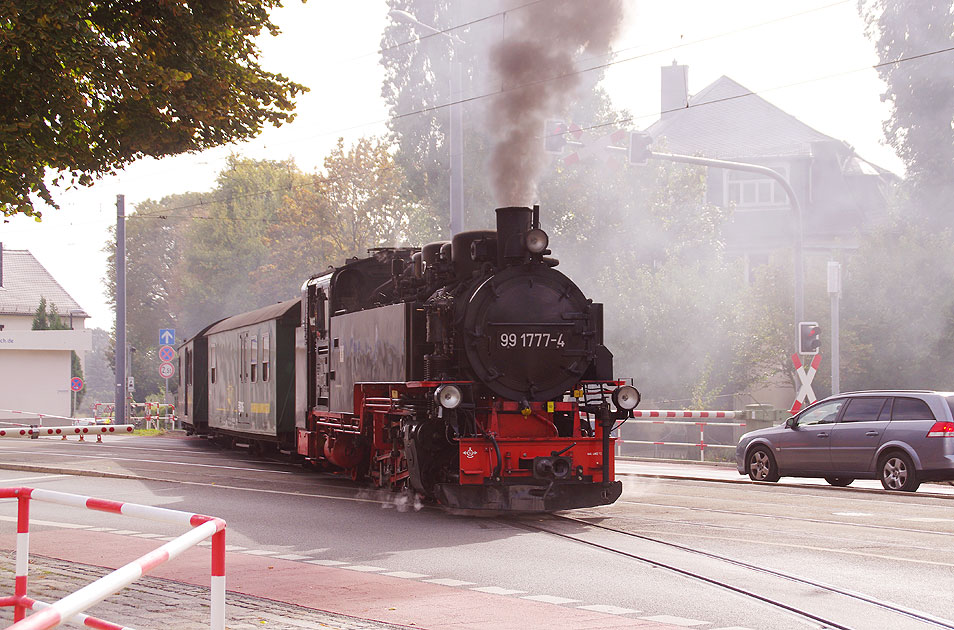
212	362
253	357
754	190
265	357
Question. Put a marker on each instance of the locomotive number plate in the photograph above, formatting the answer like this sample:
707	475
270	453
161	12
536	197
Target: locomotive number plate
531	340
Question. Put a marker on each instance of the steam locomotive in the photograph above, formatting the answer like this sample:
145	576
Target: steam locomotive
470	371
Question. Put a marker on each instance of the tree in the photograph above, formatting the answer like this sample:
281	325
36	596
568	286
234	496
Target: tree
49	319
913	39
225	242
361	201
86	88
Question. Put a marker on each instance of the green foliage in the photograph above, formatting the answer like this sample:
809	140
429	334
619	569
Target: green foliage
921	95
898	311
361	201
86	88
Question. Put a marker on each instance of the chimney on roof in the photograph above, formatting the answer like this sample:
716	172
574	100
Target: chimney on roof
675	89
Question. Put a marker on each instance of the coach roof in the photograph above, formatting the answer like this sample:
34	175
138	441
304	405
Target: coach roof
274	311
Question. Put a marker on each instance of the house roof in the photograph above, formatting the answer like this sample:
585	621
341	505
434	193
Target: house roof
25	281
727	120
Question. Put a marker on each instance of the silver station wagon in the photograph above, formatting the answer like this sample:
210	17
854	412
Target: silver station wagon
901	437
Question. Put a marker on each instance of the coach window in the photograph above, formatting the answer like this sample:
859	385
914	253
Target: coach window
254	358
212	362
265	357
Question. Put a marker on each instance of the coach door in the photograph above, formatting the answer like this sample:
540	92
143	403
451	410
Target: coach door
244	386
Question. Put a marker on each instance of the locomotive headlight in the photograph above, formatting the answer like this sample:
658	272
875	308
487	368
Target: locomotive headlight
447	396
537	240
626	397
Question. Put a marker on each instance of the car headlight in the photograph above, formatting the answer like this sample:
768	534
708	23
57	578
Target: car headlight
626	397
537	240
447	396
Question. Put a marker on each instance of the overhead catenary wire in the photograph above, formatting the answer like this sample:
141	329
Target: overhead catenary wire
366	124
601	125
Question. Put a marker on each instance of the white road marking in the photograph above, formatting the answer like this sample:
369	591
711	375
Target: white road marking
612	610
102	529
36	521
291	556
146	535
449	582
364	568
156	461
550	599
852	514
326	563
125	532
675	621
235	548
258	552
925	519
496	590
732	628
407	575
41	478
316	552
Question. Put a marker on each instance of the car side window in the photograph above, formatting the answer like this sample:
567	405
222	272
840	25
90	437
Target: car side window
824	413
911	409
863	409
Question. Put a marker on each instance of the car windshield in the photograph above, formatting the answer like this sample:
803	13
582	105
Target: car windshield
950	403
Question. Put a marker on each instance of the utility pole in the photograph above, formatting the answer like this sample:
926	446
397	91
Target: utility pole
834	290
119	402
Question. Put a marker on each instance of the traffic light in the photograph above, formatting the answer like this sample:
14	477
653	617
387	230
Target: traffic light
809	337
554	136
640	150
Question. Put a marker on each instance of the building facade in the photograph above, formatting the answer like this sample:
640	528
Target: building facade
35	365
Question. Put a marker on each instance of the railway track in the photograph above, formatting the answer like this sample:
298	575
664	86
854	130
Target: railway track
809	600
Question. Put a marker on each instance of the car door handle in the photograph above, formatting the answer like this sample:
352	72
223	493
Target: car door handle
823	434
871	433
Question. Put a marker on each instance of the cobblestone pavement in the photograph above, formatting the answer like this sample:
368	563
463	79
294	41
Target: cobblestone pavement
152	603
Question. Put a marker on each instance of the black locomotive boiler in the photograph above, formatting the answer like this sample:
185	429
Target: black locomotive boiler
470	371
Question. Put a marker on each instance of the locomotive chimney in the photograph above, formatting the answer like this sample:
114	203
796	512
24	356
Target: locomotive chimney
513	223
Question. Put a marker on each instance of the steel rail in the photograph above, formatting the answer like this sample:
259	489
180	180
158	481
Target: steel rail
913	614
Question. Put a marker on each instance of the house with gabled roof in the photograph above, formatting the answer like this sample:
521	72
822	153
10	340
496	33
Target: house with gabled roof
840	192
35	365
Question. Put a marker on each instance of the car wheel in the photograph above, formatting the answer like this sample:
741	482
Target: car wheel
761	465
897	472
841	482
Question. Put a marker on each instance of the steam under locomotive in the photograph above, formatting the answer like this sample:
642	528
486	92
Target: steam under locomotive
471	371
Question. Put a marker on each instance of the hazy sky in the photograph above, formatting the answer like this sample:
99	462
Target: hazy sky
809	58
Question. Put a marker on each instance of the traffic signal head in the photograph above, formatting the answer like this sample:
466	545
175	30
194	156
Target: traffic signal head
809	337
554	136
640	144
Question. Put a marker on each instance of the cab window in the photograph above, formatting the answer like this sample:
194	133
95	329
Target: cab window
863	409
825	413
911	409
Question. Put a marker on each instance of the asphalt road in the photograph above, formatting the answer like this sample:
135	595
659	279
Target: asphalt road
662	553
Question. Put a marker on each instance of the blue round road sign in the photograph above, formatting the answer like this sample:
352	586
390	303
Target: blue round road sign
76	383
166	354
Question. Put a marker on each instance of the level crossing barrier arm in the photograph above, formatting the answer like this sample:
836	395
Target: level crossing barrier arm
70	607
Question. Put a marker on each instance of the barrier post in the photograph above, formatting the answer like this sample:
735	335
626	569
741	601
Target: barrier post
23	554
218	581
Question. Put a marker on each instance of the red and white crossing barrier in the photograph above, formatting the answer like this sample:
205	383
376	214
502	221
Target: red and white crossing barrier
70	607
671	413
667	413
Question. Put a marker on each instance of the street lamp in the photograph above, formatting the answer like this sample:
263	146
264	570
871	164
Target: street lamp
456	136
